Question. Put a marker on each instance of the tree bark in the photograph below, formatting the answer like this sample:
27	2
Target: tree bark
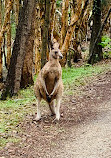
27	71
77	14
98	35
16	9
15	69
37	42
8	29
3	29
69	33
52	17
64	20
45	34
0	47
97	54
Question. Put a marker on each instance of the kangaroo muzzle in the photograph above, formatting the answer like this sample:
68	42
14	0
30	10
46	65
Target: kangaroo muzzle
60	55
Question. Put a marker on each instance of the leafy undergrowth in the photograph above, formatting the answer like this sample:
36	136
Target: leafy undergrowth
14	110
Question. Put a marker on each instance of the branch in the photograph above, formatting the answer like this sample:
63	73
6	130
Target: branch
82	12
60	14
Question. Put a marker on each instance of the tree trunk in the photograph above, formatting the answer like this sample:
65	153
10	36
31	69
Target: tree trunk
77	14
0	47
64	20
97	54
52	17
8	28
69	33
15	70
37	42
27	71
16	9
45	35
3	29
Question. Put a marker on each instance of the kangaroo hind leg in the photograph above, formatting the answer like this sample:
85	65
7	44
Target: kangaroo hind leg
58	109
52	108
38	116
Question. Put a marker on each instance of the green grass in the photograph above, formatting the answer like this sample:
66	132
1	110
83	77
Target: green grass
14	110
72	74
77	77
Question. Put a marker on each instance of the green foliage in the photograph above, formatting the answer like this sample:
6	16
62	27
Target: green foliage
104	3
58	3
105	41
13	30
106	44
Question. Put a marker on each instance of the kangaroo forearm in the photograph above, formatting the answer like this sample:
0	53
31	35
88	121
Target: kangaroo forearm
55	87
44	86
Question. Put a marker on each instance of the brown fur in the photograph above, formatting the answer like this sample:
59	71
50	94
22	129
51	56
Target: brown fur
49	84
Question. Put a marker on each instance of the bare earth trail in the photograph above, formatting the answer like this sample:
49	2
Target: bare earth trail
84	130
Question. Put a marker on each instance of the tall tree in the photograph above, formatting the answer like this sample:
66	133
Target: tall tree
64	20
27	70
97	54
17	59
78	14
8	29
37	40
16	10
52	17
45	34
0	47
3	29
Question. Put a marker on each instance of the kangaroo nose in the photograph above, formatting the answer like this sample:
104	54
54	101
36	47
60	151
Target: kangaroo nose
61	57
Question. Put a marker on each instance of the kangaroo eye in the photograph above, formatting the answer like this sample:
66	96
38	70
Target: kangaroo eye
56	52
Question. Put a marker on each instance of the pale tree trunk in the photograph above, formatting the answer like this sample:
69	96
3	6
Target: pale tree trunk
3	29
0	47
77	39
52	17
70	32
77	14
37	42
18	54
64	20
8	28
0	15
16	10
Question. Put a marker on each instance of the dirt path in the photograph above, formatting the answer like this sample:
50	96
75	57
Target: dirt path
84	130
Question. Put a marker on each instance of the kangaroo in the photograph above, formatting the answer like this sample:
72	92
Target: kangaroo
49	84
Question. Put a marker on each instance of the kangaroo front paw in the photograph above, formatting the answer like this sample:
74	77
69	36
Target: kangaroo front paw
48	98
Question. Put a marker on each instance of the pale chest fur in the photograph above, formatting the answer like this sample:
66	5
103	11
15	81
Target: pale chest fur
51	78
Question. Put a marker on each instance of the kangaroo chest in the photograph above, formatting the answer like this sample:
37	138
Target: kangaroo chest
51	79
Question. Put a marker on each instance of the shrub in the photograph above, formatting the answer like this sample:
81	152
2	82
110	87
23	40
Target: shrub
106	45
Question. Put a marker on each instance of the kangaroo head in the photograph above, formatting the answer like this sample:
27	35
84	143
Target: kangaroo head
55	51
